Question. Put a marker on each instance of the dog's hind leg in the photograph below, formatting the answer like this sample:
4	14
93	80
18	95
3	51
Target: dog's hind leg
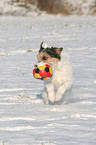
61	90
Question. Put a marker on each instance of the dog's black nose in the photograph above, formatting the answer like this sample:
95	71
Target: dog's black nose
35	65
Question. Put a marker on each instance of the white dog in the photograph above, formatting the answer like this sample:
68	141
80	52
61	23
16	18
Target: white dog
61	80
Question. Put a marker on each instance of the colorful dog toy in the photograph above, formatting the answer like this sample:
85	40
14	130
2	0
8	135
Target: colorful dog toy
43	72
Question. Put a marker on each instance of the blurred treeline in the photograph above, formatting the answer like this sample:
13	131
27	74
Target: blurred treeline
65	7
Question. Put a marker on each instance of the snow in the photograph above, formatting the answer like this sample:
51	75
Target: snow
24	118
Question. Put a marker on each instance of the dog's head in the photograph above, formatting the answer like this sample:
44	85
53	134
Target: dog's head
50	55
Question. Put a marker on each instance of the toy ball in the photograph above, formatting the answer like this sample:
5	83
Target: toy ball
43	72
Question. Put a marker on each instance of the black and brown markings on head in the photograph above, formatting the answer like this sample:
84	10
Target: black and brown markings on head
49	55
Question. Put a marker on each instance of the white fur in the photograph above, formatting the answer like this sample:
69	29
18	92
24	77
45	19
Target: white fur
60	82
45	45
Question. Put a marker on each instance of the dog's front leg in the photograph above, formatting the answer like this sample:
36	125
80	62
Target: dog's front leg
61	90
51	93
45	96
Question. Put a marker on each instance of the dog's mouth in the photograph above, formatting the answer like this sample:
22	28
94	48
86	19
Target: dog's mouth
39	64
35	65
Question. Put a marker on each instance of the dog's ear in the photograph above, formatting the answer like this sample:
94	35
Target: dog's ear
58	50
41	48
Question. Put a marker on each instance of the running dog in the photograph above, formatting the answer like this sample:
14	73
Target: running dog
61	81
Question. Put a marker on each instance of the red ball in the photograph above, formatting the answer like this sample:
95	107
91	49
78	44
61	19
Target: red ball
43	72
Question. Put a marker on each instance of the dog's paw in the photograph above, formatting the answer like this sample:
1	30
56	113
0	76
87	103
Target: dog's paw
52	99
58	97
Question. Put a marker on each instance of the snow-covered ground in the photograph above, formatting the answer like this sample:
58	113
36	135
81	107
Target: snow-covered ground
24	118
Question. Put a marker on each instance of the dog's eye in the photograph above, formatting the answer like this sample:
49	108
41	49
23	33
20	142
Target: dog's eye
44	58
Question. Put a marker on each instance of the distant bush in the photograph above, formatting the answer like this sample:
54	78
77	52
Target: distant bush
53	6
79	7
65	7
